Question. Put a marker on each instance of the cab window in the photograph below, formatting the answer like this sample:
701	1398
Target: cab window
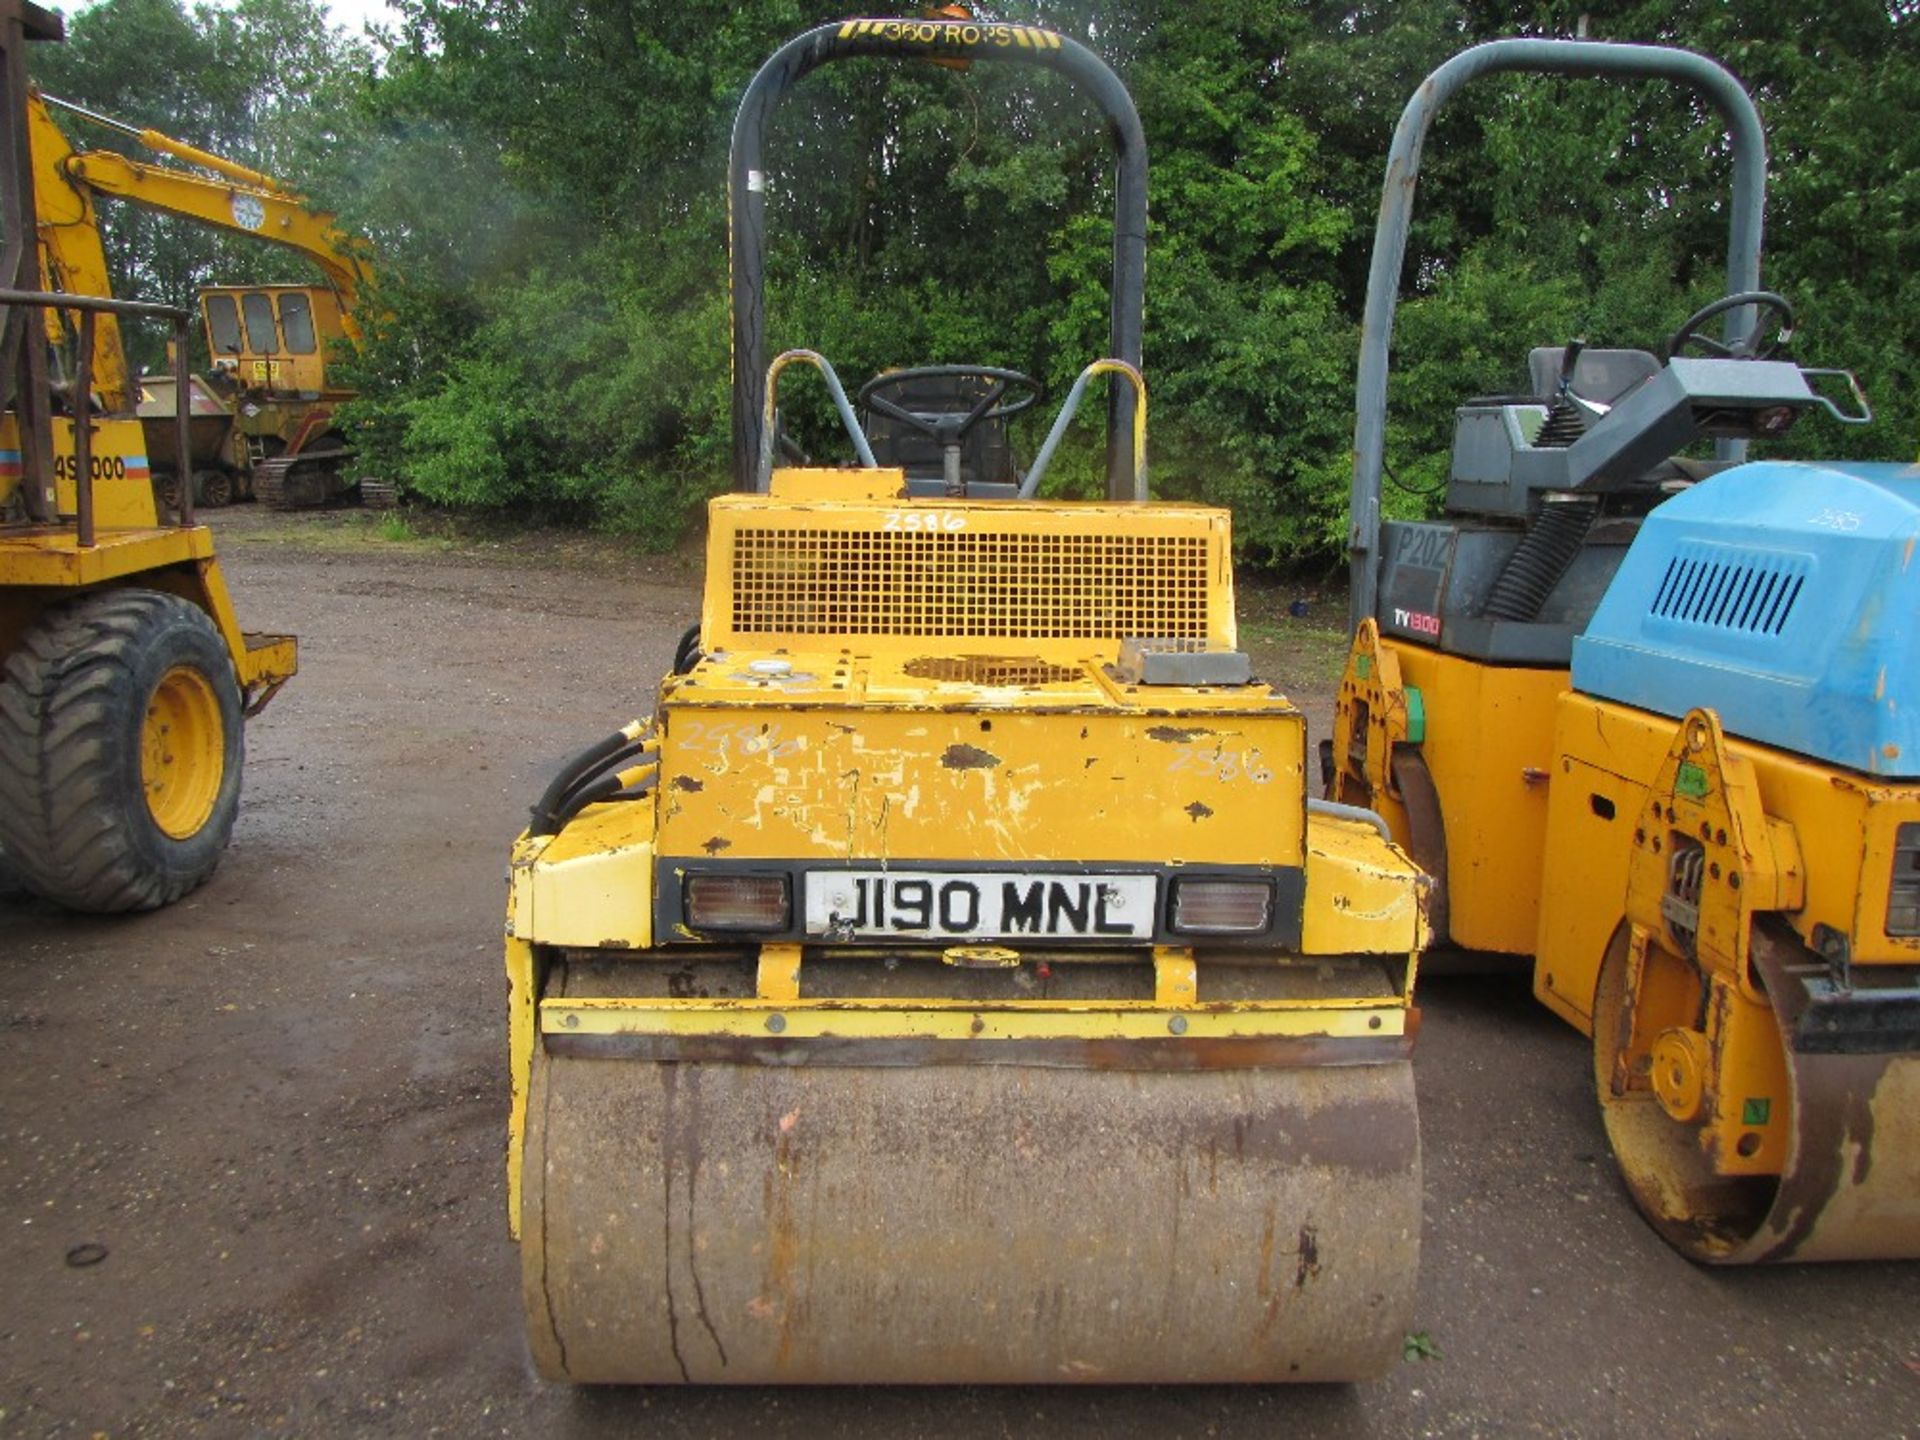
223	324
296	322
262	338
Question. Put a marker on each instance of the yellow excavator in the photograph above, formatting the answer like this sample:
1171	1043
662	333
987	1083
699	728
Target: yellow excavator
953	981
1653	720
269	343
125	677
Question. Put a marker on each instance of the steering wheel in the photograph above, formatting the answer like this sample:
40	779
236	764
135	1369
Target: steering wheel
1752	347
949	429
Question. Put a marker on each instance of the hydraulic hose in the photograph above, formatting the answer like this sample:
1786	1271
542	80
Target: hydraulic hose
687	653
594	757
622	785
616	761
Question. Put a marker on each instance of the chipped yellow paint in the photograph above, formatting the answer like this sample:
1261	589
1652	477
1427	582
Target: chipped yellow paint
591	885
523	985
1364	896
964	1021
1078	772
978	721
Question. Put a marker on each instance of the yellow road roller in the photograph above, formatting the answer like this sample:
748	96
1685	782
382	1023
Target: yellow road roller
1653	719
953	981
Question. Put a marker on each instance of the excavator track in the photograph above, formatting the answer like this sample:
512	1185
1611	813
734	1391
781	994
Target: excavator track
305	481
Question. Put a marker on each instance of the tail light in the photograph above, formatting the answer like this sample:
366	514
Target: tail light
1221	907
737	902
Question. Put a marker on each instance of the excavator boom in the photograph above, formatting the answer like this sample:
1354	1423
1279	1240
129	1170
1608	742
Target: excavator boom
72	259
256	206
166	145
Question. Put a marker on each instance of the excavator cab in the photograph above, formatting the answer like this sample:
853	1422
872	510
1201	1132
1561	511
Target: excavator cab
272	338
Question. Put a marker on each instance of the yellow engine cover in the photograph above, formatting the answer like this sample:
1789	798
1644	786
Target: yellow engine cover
122	478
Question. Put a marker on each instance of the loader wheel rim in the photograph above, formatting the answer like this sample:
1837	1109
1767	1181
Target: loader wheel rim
182	752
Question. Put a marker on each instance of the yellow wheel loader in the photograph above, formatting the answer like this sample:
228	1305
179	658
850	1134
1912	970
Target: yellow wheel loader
1654	721
124	675
952	981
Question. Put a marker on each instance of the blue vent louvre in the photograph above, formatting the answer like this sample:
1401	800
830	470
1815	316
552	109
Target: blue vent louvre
1752	592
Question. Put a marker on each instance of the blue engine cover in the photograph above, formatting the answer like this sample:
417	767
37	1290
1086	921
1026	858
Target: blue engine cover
1786	596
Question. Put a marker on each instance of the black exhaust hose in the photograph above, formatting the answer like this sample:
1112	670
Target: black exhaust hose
570	773
928	40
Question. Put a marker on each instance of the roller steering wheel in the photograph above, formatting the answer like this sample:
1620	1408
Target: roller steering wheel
1751	346
950	429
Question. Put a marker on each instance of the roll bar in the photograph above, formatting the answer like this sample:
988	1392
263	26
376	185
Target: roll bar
36	480
950	40
1544	57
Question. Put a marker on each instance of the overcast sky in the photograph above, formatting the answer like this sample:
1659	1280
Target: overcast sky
350	13
354	13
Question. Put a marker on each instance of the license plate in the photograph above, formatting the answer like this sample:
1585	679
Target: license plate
872	904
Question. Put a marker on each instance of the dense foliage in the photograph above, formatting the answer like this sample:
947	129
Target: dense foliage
543	181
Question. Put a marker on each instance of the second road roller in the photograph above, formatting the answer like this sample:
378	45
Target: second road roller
1653	719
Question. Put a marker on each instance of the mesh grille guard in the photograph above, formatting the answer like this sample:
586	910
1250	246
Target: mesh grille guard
1025	572
1080	587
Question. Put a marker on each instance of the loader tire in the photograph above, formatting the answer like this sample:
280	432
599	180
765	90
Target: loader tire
120	751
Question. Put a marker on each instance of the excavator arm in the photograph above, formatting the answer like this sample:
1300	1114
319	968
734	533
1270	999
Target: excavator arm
72	259
67	183
242	200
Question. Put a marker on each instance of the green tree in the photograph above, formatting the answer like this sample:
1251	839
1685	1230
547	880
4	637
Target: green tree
543	180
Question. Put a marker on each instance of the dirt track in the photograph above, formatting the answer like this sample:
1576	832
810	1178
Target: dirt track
279	1106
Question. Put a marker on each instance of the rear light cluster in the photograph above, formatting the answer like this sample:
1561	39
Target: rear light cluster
738	902
1903	896
1221	907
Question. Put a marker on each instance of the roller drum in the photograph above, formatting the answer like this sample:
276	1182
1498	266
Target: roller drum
1850	1189
718	1223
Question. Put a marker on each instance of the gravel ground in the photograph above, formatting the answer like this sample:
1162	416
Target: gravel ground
279	1106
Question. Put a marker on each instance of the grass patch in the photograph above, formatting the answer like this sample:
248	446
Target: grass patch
1319	647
